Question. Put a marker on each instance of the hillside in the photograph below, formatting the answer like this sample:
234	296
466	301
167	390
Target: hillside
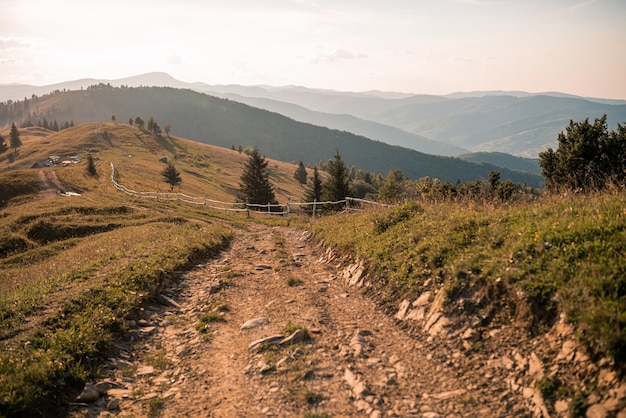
504	160
226	123
113	304
369	129
206	170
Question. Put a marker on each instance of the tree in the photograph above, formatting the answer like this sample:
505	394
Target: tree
91	167
14	138
139	122
337	185
167	128
113	118
172	176
3	146
255	186
314	191
300	173
392	188
130	121
588	157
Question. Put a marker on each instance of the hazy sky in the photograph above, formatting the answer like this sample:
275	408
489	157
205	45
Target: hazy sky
416	46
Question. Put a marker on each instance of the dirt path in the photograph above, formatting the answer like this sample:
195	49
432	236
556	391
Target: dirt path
51	186
356	362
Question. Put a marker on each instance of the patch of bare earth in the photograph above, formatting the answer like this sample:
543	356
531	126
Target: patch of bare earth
227	345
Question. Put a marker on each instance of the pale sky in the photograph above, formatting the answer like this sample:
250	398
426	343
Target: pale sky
413	46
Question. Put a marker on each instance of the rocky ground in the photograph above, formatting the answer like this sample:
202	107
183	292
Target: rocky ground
277	326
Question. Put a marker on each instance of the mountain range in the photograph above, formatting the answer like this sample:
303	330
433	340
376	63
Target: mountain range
228	123
512	122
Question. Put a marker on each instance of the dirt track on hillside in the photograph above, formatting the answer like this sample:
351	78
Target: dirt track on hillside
355	362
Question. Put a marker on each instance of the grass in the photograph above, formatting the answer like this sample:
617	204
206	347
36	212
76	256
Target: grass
563	254
293	281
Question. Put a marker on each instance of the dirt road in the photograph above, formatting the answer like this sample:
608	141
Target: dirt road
192	358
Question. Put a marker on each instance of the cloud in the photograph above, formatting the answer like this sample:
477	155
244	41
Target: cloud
9	44
581	5
336	55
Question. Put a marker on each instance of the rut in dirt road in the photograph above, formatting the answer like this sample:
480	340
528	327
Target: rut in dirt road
196	357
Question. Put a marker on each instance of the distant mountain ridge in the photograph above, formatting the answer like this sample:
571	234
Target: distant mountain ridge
227	123
512	122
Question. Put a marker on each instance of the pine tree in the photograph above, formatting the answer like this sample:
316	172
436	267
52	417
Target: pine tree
172	176
255	186
337	185
91	167
314	191
14	138
300	173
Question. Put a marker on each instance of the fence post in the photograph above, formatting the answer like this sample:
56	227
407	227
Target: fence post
347	204
288	206
268	207
314	205
247	208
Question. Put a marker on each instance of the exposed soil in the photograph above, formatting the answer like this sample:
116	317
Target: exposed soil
356	360
51	186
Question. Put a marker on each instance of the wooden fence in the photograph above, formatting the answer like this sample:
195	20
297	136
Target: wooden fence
312	208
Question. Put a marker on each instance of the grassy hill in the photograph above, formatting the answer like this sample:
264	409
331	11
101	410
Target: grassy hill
74	269
226	123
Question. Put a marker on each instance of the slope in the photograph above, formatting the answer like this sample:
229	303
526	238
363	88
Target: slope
226	123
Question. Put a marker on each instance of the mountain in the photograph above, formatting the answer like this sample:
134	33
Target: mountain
501	159
226	123
513	122
518	123
373	130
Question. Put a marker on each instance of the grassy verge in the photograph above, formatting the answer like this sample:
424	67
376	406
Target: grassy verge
64	300
559	254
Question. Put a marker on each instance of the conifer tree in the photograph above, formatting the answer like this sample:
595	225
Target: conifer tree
91	167
255	186
337	185
314	191
300	173
172	176
14	138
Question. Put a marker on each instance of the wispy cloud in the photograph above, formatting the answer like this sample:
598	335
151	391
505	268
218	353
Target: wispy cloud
13	43
581	5
336	55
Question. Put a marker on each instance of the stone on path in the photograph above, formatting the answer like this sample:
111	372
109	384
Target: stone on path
89	394
256	322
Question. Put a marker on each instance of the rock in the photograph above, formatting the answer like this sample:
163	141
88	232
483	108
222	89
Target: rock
447	395
256	322
422	300
273	340
470	335
358	388
596	411
144	371
260	267
561	407
113	404
568	350
88	395
298	335
168	301
535	366
415	314
102	387
404	307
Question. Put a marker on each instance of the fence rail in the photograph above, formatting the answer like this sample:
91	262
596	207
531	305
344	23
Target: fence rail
349	203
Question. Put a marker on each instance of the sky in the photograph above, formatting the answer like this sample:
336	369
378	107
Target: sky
413	46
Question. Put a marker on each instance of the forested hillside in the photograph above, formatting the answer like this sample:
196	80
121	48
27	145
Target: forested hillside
228	124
